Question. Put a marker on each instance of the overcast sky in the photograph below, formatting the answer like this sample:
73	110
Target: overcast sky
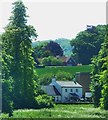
54	20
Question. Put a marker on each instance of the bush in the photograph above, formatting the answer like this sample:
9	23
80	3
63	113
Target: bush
56	62
44	101
45	79
63	76
51	61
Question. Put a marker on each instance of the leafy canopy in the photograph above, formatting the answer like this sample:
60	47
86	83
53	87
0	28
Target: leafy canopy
88	43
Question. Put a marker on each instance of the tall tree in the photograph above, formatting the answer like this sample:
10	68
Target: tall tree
99	84
104	76
88	43
54	48
5	81
17	38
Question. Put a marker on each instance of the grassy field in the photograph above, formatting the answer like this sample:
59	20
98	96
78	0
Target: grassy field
70	69
62	111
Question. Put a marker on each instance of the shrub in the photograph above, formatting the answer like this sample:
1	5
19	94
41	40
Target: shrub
45	79
63	76
44	101
51	61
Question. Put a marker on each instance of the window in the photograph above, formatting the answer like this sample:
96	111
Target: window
71	90
76	90
65	90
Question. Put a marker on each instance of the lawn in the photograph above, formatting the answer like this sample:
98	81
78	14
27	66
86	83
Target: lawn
70	69
62	111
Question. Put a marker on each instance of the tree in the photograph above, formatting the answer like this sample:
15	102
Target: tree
46	49
104	76
40	52
104	91
95	85
17	40
54	48
64	76
51	61
46	79
99	84
88	43
6	80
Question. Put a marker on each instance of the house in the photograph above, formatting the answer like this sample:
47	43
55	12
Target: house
64	91
67	61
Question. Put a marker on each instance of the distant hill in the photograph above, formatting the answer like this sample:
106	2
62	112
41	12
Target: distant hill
64	43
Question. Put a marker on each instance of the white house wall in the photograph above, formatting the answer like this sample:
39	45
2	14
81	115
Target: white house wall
58	87
65	95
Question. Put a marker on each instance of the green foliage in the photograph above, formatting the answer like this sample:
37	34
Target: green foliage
7	104
44	101
51	61
40	52
64	76
20	80
54	48
95	85
64	44
88	43
7	83
104	99
100	76
46	79
104	91
19	36
47	49
6	80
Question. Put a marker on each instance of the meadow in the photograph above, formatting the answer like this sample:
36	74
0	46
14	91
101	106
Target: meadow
70	69
61	111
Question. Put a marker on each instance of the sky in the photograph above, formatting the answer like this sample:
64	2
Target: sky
58	19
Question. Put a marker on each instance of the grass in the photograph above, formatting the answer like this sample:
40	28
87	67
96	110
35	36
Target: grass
62	111
70	69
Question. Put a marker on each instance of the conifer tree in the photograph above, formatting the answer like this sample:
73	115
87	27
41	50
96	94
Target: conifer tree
17	38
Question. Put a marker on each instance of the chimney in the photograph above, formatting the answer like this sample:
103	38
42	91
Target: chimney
74	79
54	79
